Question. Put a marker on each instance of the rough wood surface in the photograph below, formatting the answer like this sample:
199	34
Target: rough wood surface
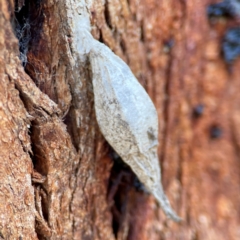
59	179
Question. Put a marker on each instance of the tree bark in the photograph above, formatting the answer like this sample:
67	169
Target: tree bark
59	178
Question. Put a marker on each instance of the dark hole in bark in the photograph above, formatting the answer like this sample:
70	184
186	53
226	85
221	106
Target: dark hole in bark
22	28
107	15
27	25
122	180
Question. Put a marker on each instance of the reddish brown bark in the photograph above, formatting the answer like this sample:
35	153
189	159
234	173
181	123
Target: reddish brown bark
60	179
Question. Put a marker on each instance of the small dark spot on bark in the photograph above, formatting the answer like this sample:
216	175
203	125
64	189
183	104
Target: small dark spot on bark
215	132
226	8
198	110
231	45
151	135
100	37
142	31
221	9
168	45
123	46
93	17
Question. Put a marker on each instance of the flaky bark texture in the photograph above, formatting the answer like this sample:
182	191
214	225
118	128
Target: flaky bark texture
59	179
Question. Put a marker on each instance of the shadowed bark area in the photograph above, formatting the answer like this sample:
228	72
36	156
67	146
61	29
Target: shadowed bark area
59	179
